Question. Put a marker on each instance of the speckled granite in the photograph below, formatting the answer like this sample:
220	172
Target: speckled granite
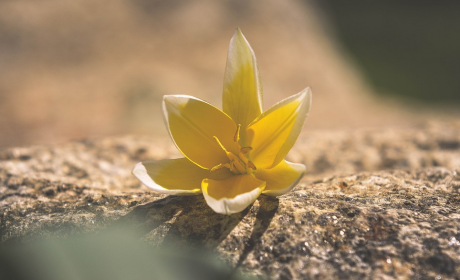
376	204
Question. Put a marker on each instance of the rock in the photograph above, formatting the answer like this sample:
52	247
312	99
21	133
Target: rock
376	204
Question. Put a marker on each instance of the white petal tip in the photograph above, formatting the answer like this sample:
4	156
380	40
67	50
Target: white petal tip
301	169
229	206
141	173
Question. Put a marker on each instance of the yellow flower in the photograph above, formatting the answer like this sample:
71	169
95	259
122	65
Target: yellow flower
234	155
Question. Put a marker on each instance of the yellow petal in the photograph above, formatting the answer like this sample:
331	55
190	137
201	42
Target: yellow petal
232	195
281	178
175	176
274	133
242	95
193	123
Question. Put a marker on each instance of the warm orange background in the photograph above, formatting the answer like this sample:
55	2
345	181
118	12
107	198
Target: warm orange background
76	69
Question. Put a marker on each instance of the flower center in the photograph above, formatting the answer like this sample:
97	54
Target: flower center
238	164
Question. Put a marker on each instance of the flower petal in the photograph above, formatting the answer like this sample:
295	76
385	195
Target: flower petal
274	133
193	123
175	176
281	178
232	195
242	95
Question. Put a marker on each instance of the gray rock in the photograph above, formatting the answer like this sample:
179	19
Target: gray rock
376	204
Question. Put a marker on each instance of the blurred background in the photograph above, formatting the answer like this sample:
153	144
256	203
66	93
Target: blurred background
82	68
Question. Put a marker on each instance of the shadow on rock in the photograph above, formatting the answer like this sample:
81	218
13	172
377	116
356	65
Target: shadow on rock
178	221
188	222
267	210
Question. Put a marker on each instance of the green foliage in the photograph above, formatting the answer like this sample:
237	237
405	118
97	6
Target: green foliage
114	255
405	48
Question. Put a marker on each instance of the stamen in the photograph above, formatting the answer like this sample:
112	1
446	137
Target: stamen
232	165
238	164
251	165
220	144
220	166
236	138
245	150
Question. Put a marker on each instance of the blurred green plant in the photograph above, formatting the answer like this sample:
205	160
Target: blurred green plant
114	255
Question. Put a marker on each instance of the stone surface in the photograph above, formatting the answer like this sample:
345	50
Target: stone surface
375	204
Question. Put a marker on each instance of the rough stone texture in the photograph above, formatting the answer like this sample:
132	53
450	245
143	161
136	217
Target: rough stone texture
376	204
